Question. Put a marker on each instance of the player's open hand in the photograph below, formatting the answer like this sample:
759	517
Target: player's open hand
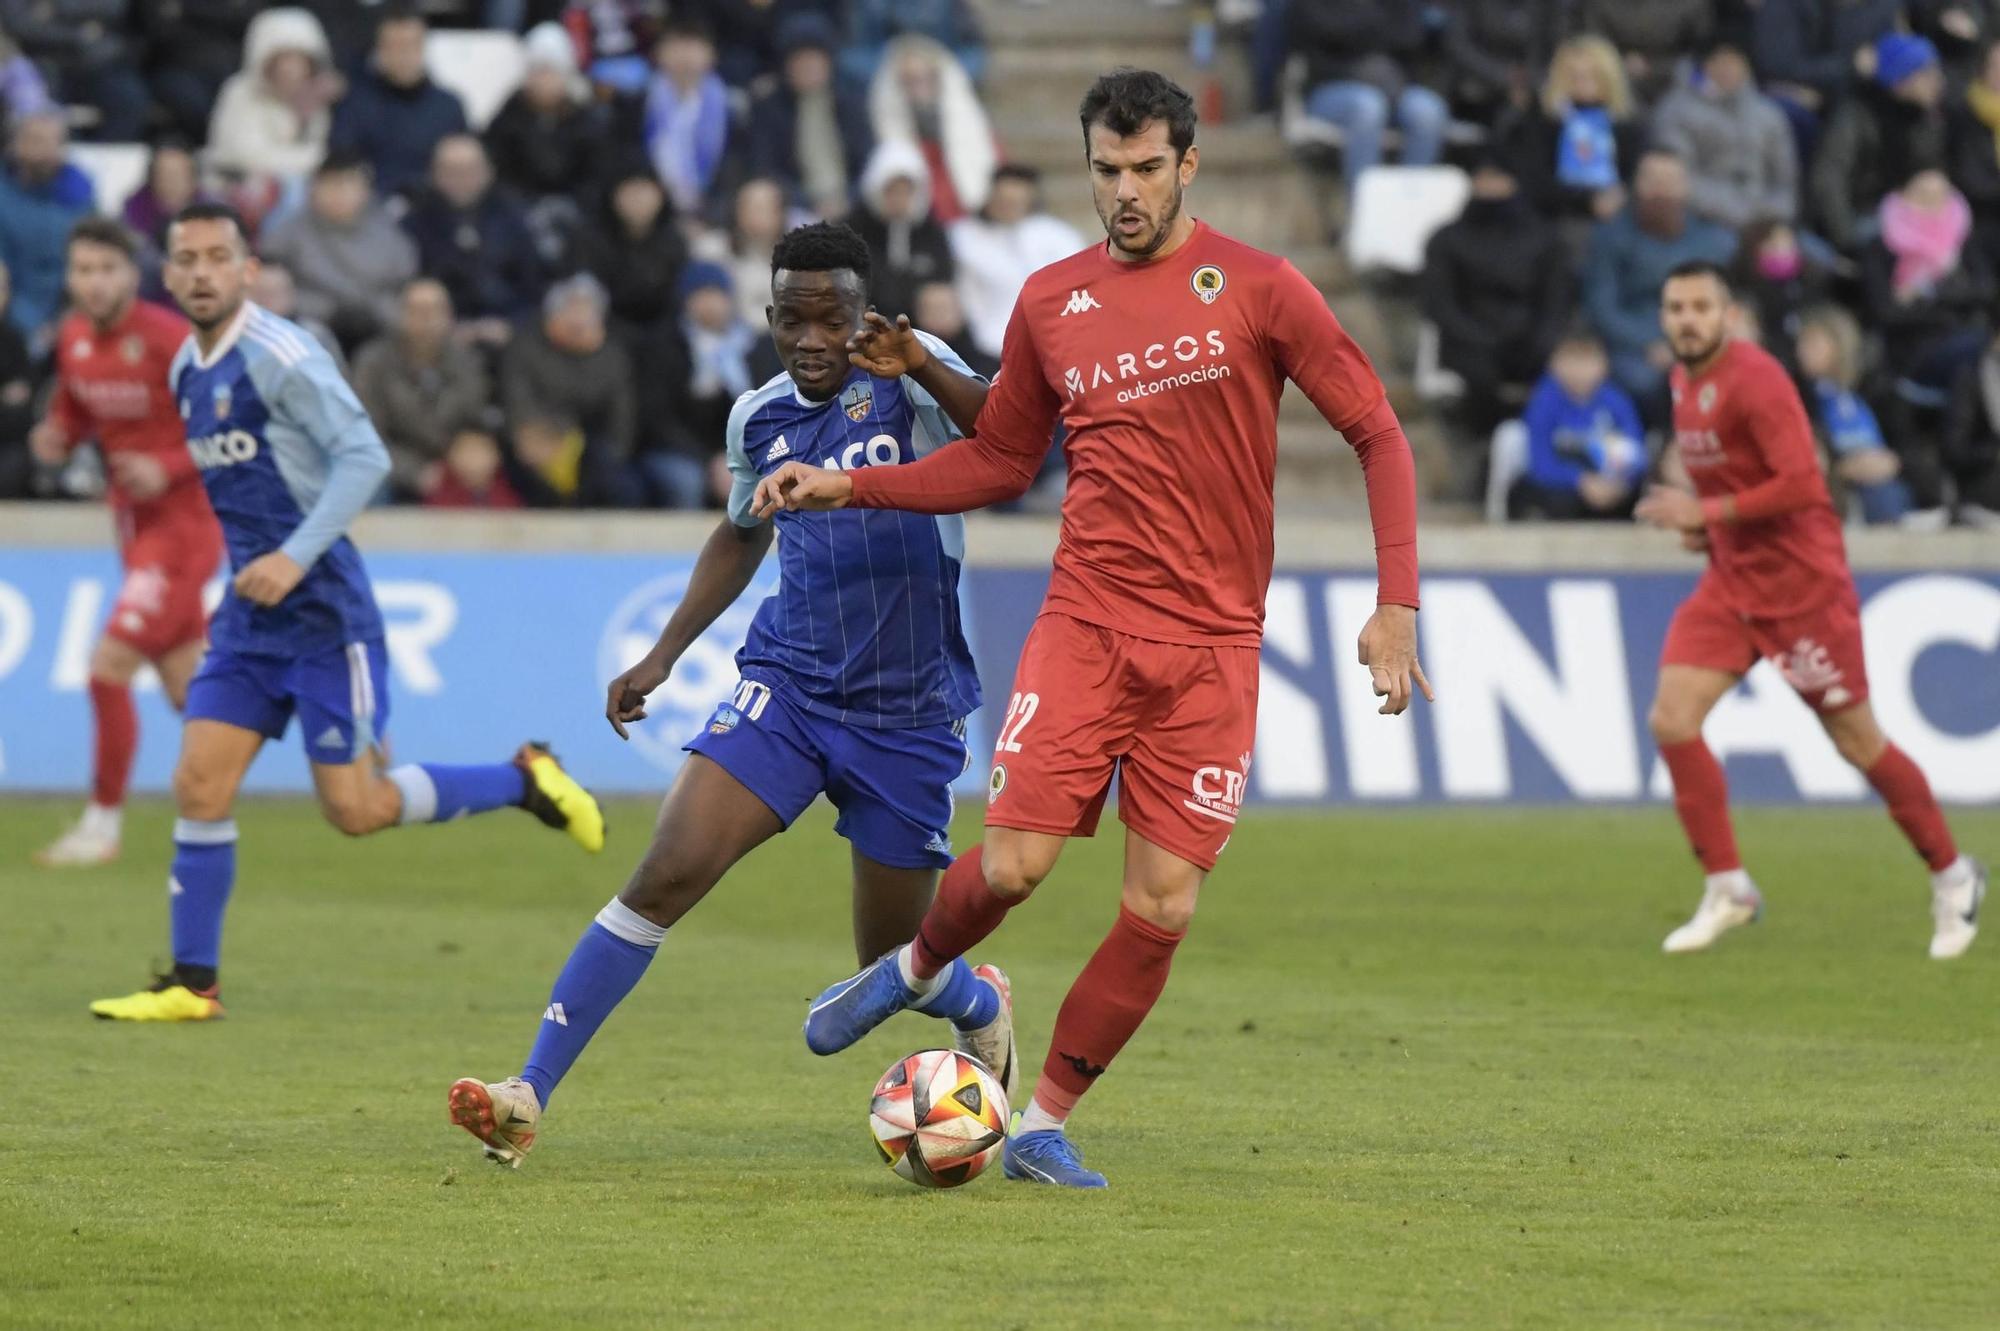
1388	647
625	700
268	579
1671	509
887	350
802	488
46	442
138	475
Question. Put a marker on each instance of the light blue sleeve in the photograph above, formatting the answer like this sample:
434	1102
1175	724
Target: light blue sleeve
742	476
934	427
314	400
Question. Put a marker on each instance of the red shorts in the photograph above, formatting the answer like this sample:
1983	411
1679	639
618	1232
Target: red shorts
159	604
1175	723
1818	652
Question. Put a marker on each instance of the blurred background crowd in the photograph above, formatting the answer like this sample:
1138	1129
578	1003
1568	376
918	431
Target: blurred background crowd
537	232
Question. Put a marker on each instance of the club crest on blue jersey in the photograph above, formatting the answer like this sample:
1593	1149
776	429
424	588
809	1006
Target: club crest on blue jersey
858	400
1208	282
726	719
222	402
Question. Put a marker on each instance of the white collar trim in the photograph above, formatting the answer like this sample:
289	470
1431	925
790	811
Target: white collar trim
229	338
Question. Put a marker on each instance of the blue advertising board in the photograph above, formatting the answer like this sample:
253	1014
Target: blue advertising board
1543	679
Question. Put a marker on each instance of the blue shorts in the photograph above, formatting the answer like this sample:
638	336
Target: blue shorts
892	787
341	697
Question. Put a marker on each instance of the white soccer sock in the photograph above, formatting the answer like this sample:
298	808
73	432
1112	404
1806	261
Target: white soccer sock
1037	1119
916	984
103	820
1953	876
1736	882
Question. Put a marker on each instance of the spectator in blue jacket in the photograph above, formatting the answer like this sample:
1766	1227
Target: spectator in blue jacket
1829	359
476	240
873	24
394	116
1586	450
41	197
809	131
1630	256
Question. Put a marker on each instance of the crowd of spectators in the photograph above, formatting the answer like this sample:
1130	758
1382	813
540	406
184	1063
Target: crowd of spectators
556	307
1841	157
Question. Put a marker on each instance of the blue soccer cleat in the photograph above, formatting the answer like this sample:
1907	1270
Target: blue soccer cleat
856	1006
1048	1157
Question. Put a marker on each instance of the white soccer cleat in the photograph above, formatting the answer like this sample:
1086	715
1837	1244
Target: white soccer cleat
1955	912
504	1115
993	1043
1722	909
93	841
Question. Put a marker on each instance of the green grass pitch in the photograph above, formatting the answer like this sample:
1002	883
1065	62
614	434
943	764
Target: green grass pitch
1413	1070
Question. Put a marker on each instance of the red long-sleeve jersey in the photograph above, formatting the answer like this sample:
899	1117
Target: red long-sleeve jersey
1774	542
111	386
1167	375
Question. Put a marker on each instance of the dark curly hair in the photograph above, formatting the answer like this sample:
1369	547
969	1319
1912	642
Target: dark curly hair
1127	100
822	247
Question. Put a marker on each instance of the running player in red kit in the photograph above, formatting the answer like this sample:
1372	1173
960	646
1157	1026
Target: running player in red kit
1777	587
1164	351
112	354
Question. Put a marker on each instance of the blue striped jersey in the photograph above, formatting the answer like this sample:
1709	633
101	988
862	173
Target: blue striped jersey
289	458
864	627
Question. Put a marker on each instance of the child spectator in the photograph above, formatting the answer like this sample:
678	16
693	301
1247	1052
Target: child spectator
1777	277
1828	348
472	474
1585	450
686	125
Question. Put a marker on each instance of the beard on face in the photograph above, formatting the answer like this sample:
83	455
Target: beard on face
1161	230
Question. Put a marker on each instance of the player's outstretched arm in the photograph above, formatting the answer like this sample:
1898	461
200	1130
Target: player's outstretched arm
727	562
895	350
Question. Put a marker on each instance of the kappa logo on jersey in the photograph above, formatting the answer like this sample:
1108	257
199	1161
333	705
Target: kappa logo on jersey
1208	282
781	449
223	450
1080	302
1808	667
858	400
1188	349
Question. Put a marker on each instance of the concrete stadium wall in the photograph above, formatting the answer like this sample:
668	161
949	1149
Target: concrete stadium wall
1541	640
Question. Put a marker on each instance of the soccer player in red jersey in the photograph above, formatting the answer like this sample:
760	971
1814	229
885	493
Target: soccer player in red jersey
1164	351
112	354
1777	587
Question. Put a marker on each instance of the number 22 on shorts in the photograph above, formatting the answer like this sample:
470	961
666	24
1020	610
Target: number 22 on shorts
1020	711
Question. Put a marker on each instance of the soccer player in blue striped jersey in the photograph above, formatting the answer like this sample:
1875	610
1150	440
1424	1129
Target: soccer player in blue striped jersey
289	458
856	678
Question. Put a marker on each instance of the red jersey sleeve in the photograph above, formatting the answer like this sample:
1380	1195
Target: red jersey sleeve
997	461
1776	424
1315	352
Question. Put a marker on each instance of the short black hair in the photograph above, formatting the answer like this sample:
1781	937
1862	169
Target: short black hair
401	11
1020	171
685	28
822	247
1126	100
1702	268
209	211
342	161
106	232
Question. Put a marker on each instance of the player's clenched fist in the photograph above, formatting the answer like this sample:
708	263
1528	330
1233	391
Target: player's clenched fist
1388	647
268	579
799	487
625	701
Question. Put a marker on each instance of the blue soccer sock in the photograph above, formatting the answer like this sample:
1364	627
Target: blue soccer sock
609	959
435	793
961	997
198	885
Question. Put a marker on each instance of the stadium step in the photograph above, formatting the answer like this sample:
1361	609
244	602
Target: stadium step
1121	25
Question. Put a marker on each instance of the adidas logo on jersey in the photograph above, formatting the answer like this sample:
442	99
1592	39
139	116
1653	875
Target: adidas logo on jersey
556	1014
781	449
1080	302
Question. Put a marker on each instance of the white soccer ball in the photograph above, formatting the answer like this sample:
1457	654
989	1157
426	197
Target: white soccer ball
939	1117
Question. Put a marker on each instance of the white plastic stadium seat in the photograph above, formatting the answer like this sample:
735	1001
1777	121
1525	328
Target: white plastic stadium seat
115	171
1394	211
482	67
1434	383
1507	463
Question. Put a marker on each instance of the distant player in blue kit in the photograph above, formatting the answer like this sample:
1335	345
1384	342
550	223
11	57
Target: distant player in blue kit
288	458
856	678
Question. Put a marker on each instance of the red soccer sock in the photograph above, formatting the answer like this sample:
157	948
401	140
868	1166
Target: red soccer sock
1901	784
1118	987
1701	797
962	914
117	724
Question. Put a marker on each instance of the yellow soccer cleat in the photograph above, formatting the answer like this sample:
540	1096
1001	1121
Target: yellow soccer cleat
502	1114
167	1000
555	797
